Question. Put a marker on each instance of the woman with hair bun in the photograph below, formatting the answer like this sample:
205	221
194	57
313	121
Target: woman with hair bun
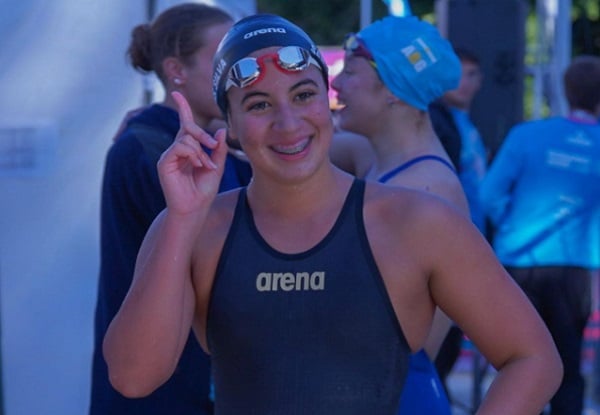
178	46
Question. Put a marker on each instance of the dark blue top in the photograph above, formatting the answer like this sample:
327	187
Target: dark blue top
131	199
307	333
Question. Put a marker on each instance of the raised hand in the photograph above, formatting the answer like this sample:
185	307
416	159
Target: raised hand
188	175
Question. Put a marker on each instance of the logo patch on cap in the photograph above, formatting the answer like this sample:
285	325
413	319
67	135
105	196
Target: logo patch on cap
417	54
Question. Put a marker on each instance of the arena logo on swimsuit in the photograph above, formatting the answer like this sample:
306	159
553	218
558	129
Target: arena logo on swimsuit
287	281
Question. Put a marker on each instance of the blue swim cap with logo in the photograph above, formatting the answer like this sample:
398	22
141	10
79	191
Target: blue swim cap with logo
253	33
413	60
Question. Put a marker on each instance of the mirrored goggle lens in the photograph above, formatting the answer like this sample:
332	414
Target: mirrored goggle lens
354	46
246	71
292	58
350	42
243	73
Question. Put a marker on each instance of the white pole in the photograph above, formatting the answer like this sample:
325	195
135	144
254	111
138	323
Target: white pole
441	16
562	55
366	12
541	59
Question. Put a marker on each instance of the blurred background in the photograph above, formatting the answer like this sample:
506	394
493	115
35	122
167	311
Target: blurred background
65	85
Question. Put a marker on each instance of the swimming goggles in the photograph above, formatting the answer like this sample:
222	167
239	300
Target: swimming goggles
355	46
248	70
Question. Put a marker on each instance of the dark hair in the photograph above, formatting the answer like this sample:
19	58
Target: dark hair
582	83
466	55
178	32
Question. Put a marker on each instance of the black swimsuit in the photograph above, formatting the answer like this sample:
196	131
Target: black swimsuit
306	333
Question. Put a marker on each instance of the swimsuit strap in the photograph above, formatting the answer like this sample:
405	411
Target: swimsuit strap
409	163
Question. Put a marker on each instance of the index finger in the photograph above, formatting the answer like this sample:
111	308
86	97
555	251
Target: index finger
183	108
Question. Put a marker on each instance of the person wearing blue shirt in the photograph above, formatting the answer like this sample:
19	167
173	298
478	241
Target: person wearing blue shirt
403	64
542	193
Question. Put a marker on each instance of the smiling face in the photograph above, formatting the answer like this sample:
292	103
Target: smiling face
361	94
282	121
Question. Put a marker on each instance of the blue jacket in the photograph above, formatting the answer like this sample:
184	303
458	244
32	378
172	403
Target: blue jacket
542	193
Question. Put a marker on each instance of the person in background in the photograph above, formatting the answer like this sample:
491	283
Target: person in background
452	123
463	143
178	46
541	194
393	69
309	287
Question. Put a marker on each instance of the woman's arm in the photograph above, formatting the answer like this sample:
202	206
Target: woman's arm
145	339
472	287
431	255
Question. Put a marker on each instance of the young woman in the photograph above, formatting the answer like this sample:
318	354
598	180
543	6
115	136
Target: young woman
309	288
179	46
393	69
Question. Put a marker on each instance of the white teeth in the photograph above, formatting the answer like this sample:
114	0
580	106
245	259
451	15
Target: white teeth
292	150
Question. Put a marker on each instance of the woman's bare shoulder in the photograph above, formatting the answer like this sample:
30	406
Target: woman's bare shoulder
209	244
217	223
223	208
406	207
435	179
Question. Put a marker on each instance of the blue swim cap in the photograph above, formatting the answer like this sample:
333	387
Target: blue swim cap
250	34
413	60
